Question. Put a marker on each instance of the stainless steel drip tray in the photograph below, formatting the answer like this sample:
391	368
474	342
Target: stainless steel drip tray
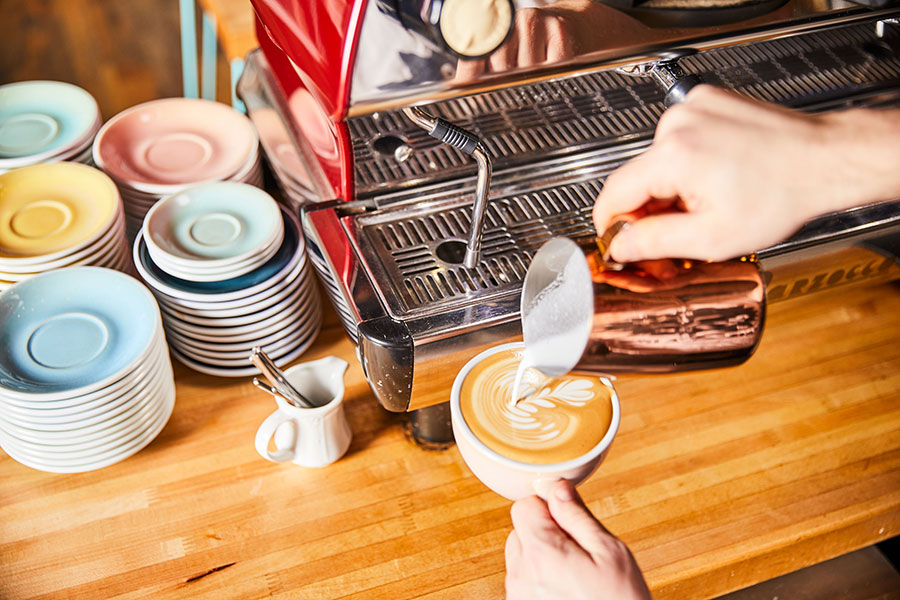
597	108
414	252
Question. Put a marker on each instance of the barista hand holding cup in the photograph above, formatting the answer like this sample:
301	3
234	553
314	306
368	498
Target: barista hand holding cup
558	549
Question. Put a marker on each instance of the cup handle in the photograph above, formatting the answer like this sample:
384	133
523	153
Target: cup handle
264	436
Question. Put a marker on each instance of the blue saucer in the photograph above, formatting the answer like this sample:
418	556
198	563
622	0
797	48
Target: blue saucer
43	116
74	327
255	277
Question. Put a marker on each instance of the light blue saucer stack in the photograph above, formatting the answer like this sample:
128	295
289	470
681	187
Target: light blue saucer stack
228	268
85	376
46	121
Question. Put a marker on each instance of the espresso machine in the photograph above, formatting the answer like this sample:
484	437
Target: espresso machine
432	148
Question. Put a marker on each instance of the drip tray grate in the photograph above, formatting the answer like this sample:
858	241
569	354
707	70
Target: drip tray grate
418	252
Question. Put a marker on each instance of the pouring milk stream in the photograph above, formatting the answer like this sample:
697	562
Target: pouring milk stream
557	310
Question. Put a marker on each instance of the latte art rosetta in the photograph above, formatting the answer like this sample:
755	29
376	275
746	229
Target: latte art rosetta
534	416
559	419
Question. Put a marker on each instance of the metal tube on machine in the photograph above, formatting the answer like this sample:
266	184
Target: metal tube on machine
469	143
473	246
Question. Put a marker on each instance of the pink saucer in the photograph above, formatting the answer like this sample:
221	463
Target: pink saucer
165	144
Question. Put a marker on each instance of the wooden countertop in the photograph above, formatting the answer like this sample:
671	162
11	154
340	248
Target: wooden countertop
716	480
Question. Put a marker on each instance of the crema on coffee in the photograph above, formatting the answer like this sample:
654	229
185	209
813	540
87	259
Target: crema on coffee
559	419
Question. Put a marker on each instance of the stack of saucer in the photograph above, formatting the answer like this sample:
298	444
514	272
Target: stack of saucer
213	232
59	215
161	147
46	121
212	325
85	378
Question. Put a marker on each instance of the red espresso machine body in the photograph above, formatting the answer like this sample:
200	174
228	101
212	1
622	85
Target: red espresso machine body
310	48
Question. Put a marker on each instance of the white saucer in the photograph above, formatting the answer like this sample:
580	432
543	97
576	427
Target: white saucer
252	315
90	462
243	371
271	323
225	358
289	322
74	409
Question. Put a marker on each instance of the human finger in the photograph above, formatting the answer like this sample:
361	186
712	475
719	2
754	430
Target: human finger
720	101
504	57
518	582
534	526
710	110
513	552
532	37
662	269
672	235
685	116
647	276
469	70
632	185
560	41
568	510
734	106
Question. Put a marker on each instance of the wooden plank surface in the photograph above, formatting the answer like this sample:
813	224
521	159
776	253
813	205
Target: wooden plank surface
716	480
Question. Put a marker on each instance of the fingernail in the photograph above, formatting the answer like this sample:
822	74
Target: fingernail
564	492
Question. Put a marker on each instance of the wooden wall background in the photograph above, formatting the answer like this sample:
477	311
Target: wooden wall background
122	51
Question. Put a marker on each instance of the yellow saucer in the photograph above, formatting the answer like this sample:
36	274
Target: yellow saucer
53	208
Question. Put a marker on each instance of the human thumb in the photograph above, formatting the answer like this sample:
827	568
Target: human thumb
535	526
573	517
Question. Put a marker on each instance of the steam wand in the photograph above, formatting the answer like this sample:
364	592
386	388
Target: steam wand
469	143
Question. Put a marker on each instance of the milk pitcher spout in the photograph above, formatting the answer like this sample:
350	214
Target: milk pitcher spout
650	317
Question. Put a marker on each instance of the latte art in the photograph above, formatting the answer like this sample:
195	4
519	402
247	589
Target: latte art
559	419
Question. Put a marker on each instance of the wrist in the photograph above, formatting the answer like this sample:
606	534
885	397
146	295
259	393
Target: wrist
862	155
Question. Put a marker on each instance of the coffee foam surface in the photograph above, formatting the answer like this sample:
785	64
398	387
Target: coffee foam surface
564	417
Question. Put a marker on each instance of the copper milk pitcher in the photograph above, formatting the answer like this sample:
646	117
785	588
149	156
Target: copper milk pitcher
649	317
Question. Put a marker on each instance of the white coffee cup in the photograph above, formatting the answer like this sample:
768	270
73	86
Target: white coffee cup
310	437
511	478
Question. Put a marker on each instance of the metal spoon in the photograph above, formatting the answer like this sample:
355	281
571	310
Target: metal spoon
277	379
270	390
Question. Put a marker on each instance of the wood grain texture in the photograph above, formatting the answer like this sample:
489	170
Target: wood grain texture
862	575
717	481
122	52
